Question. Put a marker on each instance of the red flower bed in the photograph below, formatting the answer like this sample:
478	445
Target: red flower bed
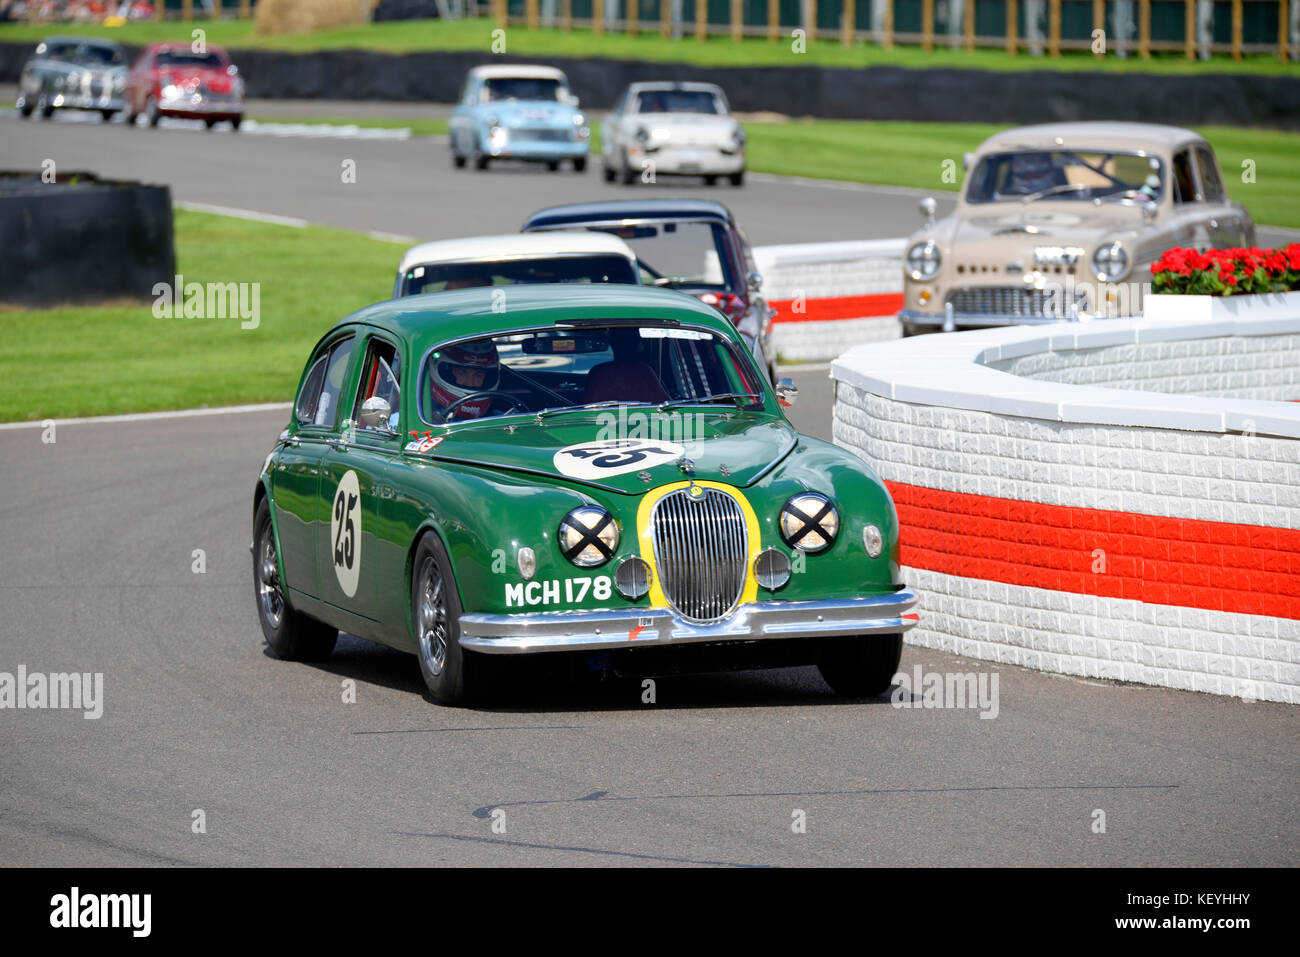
1227	272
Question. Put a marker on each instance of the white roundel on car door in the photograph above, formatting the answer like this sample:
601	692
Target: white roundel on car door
345	532
609	457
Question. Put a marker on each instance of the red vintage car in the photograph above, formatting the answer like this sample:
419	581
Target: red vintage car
172	79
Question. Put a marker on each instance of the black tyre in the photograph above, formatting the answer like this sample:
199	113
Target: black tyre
552	166
108	115
234	124
450	673
580	164
608	171
457	160
481	161
860	666
25	110
291	634
627	175
209	123
710	181
152	112
737	179
46	108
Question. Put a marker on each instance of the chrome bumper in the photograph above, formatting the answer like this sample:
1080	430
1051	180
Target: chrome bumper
660	627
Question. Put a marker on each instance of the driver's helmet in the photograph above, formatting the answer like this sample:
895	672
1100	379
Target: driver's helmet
1031	173
462	370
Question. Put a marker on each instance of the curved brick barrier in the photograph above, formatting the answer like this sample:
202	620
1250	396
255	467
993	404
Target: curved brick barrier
1149	536
831	296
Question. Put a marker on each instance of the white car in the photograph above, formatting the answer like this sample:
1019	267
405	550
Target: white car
676	129
579	256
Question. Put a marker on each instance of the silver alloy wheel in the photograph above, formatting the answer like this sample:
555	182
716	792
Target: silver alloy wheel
431	618
269	595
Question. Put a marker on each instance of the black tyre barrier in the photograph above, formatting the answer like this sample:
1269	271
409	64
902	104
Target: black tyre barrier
882	93
81	240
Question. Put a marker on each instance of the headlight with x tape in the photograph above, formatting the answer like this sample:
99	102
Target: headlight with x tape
809	522
588	536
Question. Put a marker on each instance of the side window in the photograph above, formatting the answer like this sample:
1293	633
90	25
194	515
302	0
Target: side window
1184	179
305	408
318	408
1211	182
380	377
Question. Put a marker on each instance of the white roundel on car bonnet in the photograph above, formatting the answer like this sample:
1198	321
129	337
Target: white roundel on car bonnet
345	532
609	457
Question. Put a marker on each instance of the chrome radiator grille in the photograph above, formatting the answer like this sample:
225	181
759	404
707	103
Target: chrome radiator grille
1010	301
701	547
525	135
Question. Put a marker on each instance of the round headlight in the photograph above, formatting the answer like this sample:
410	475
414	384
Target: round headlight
642	134
923	261
809	522
588	536
1110	262
772	568
579	119
633	577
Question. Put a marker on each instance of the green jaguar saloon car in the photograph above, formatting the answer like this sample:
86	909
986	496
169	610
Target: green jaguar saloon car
599	472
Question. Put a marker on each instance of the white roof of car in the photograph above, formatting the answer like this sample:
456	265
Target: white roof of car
516	246
1096	135
667	85
529	70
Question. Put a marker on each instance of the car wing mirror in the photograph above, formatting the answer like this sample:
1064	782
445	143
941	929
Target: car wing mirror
927	206
754	280
375	413
787	393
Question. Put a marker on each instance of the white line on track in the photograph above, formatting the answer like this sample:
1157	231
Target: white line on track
151	416
390	237
243	214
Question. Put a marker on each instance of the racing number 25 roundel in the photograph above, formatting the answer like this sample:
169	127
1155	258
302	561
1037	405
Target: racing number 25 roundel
608	457
345	532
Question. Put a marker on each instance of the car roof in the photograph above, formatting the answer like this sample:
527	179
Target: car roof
430	319
1113	135
88	41
674	85
619	210
516	246
530	70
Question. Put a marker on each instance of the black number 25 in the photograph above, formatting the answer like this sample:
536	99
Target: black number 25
344	544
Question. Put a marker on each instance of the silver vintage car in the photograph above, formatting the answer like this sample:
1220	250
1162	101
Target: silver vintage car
1061	222
80	73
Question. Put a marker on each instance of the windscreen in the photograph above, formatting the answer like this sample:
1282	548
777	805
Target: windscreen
559	369
1031	175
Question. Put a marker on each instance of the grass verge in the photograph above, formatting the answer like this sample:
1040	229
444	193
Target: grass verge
418	35
114	359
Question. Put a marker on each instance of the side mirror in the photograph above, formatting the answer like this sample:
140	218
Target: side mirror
754	281
967	159
927	206
375	412
787	393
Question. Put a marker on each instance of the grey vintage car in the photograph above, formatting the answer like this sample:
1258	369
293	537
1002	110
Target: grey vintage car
1062	221
79	73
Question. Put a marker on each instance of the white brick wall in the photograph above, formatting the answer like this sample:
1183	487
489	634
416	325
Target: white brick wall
820	341
928	414
1240	367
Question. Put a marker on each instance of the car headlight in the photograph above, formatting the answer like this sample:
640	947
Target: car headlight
809	522
1110	262
119	81
497	136
171	91
642	134
923	261
579	119
738	138
588	536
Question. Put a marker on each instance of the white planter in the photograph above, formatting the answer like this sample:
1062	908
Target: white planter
1278	305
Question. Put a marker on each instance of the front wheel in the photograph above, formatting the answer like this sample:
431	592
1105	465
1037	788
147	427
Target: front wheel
737	179
46	107
291	634
860	666
152	112
580	164
235	121
449	672
107	115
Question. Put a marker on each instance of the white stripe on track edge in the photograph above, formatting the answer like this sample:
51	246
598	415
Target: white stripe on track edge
252	214
150	416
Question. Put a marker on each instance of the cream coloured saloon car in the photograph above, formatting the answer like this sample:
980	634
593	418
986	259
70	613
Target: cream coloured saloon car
1061	222
675	129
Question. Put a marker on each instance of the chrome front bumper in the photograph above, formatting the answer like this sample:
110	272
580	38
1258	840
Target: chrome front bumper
660	627
937	320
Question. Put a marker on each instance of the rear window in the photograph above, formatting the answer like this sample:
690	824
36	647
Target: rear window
691	254
439	277
187	59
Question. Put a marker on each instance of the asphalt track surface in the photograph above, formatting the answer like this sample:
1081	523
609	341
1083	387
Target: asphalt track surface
97	575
